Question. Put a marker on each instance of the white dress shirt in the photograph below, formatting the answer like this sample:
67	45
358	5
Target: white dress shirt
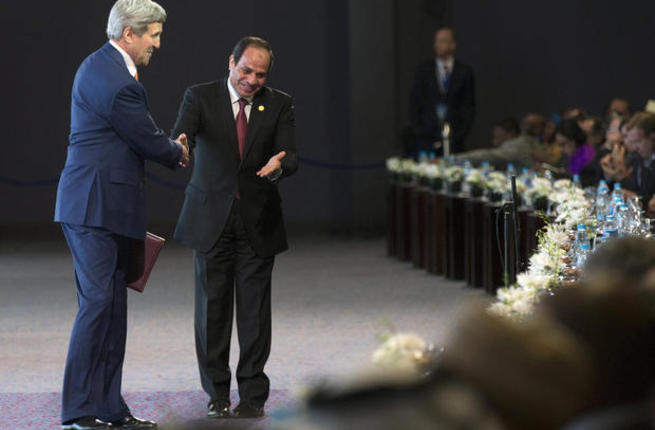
131	67
234	98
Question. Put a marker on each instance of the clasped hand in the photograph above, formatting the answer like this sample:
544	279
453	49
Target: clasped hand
184	159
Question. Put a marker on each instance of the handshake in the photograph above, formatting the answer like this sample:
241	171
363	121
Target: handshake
184	159
271	170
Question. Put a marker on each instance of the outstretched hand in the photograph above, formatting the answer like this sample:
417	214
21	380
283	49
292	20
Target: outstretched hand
273	164
182	140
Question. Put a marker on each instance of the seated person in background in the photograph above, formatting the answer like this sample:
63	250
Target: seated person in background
573	141
548	152
510	146
641	134
534	124
619	157
574	113
594	128
617	107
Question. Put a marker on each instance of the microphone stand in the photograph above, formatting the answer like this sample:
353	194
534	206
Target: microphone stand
511	234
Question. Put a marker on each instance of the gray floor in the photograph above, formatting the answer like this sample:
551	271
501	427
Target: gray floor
331	298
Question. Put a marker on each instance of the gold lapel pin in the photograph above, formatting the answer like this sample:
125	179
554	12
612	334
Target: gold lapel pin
261	108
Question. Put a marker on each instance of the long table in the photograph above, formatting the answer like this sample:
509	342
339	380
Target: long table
454	234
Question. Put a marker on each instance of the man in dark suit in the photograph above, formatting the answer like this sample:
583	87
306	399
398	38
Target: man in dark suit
100	207
242	135
641	136
443	92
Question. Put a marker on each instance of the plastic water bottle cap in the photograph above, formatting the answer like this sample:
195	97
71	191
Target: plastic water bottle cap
602	182
623	206
510	165
617	186
525	171
576	177
584	246
609	218
582	226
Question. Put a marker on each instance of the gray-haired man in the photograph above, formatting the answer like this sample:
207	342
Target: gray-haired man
101	209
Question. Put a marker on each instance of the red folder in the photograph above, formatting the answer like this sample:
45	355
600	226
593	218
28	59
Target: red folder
144	255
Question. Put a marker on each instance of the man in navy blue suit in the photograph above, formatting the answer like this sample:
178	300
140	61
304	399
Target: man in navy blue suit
100	207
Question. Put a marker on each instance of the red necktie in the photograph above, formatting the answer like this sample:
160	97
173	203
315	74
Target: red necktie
242	125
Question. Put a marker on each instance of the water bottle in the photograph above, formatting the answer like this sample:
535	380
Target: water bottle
576	181
623	220
581	237
525	177
610	226
614	205
602	199
423	157
486	168
581	256
466	187
617	193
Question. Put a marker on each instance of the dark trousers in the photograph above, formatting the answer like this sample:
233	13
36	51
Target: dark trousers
94	365
233	266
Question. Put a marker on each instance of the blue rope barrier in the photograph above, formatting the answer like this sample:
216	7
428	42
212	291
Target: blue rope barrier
167	184
341	166
36	183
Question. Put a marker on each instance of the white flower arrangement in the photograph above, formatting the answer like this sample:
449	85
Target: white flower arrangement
514	302
534	281
562	184
407	166
405	352
541	187
393	164
434	171
572	207
555	236
497	182
421	169
475	177
544	268
454	173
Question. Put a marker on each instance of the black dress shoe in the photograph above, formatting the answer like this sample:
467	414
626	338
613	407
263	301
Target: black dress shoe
245	410
85	423
131	422
219	409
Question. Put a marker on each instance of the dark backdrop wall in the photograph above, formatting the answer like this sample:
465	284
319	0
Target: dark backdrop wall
535	56
349	65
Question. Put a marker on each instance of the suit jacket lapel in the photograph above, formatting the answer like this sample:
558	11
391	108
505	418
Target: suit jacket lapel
227	116
257	112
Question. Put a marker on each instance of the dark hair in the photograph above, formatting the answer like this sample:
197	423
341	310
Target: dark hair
510	125
452	32
574	113
570	129
598	126
257	42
